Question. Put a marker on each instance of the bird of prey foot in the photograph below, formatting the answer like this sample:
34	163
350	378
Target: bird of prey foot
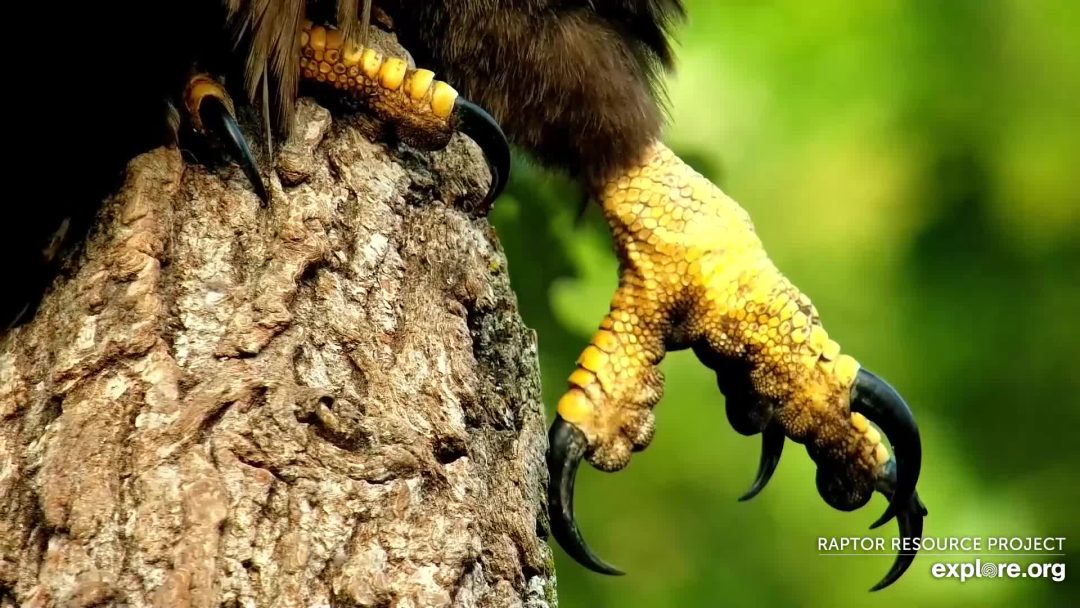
422	111
694	274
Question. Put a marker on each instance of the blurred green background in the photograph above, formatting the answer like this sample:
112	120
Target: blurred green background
915	168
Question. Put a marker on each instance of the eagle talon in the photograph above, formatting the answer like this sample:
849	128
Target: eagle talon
566	447
475	123
211	111
909	518
772	446
882	405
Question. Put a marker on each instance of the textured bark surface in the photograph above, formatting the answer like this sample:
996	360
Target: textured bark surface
329	401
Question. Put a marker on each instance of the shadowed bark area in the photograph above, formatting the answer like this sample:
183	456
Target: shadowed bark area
329	401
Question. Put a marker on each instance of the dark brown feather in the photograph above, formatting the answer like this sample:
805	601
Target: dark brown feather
576	84
649	21
267	32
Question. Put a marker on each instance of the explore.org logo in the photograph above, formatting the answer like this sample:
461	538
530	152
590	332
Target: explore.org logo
1023	557
979	569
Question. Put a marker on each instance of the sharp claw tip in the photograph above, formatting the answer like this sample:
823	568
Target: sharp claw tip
772	447
910	521
567	448
881	585
599	566
260	190
215	113
895	573
881	521
752	492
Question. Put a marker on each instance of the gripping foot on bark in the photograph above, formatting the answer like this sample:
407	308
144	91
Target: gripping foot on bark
211	112
425	112
693	274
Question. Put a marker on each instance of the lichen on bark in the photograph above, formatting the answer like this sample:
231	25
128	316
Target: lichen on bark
327	401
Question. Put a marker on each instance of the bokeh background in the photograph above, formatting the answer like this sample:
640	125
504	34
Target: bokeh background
913	166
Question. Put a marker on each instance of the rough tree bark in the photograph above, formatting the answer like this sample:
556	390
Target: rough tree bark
329	401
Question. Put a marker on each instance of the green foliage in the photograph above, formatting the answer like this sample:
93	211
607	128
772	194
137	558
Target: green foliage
912	166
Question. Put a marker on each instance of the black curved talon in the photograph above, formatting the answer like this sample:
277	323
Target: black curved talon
567	447
217	118
479	126
881	404
772	446
910	520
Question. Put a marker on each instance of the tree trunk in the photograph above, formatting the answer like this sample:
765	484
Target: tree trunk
329	401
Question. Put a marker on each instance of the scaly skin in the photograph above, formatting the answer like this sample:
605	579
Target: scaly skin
424	112
694	273
418	105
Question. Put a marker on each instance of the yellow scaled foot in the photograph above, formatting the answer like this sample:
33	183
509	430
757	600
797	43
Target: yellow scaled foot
694	274
424	112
